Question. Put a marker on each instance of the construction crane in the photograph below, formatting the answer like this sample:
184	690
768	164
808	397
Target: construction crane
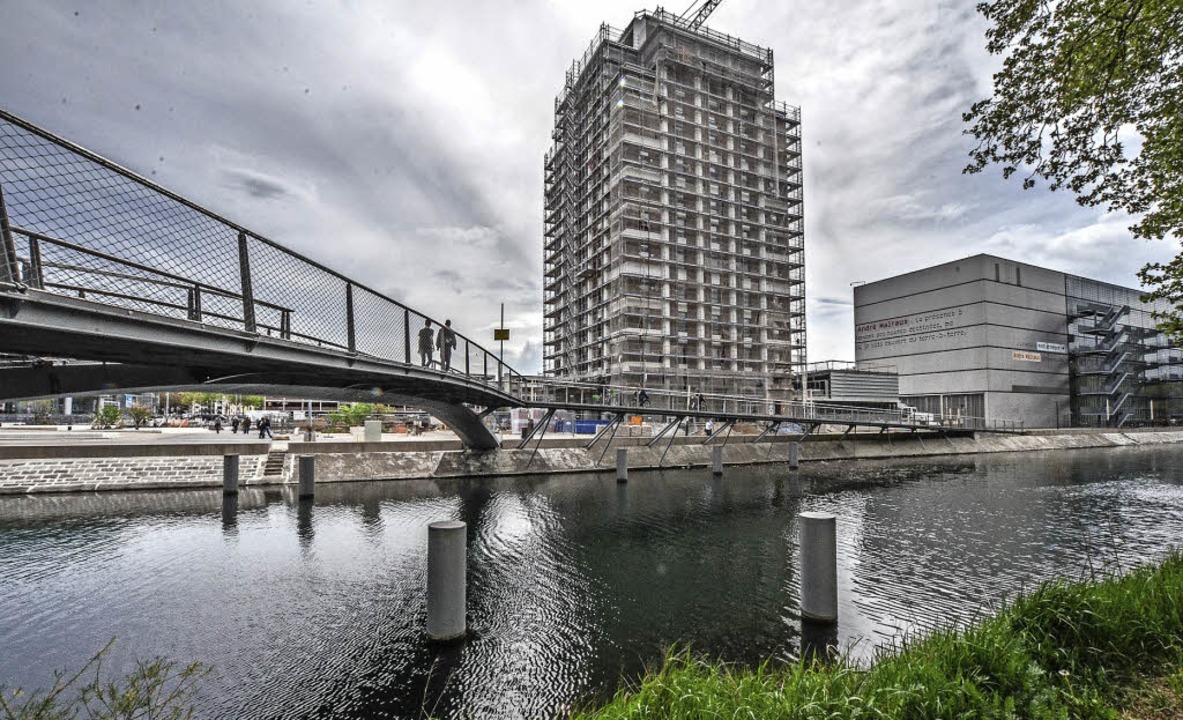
701	15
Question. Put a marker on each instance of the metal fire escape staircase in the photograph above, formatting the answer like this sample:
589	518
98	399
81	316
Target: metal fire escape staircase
1113	358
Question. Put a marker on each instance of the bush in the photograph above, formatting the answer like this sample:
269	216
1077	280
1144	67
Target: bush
139	414
155	689
108	417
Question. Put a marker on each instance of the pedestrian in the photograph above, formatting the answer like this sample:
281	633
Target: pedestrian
234	425
445	342
643	397
710	427
698	401
218	425
246	426
264	426
425	338
686	426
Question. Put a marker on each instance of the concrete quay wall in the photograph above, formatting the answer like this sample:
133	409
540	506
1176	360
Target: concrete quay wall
89	474
389	461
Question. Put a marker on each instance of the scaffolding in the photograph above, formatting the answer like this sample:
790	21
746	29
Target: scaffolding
674	231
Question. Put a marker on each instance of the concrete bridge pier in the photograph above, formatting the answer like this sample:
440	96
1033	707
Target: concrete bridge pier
621	465
717	459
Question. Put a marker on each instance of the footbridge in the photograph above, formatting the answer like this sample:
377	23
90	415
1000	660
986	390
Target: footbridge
144	289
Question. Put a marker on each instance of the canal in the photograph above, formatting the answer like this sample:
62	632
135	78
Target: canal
317	609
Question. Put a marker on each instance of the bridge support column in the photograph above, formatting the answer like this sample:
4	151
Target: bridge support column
307	467
446	580
229	474
717	459
621	465
794	455
819	566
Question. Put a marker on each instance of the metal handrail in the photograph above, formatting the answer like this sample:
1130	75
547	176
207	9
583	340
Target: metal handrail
81	184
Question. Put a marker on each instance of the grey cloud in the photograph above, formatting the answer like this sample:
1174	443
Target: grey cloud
402	142
257	186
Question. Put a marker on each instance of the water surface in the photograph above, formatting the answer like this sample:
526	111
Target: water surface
317	609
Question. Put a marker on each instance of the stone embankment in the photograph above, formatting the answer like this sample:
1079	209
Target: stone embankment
25	470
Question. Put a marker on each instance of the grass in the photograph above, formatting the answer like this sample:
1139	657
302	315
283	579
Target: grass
1108	649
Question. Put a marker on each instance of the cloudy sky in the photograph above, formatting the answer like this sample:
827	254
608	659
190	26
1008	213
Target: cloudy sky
401	142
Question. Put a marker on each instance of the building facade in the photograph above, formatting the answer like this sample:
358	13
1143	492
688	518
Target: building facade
674	237
993	338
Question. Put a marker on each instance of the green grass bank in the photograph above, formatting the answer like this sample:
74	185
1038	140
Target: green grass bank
1112	648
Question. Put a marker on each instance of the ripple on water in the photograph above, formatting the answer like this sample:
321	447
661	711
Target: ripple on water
317	609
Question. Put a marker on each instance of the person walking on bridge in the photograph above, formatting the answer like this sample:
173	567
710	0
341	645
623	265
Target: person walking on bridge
445	341
425	338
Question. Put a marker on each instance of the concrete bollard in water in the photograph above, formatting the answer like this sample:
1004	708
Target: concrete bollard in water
373	431
794	455
307	469
819	566
717	459
621	464
229	474
446	580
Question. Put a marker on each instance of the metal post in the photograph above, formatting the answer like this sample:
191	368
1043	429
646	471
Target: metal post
36	272
467	370
446	580
819	566
621	465
307	469
195	303
229	474
717	459
248	296
8	272
407	334
349	317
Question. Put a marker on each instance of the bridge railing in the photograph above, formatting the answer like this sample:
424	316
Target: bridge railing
76	224
570	394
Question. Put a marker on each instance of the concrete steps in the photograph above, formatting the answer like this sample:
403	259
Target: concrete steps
273	467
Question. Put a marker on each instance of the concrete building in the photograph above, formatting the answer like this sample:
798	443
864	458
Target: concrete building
838	382
674	241
990	337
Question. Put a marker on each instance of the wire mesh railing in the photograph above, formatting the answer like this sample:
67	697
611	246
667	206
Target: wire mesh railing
573	395
75	224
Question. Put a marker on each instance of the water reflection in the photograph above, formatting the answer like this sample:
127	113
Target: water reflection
317	607
230	515
819	641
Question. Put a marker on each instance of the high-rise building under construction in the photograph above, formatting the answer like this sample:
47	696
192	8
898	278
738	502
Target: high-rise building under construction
674	241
